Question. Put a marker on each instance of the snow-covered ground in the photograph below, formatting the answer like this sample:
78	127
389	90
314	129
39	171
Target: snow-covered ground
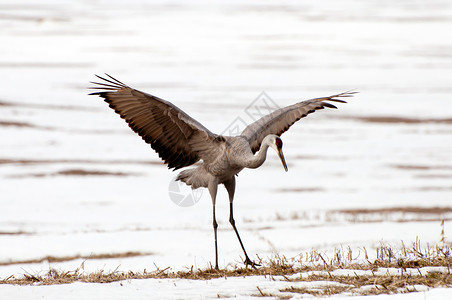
387	149
231	287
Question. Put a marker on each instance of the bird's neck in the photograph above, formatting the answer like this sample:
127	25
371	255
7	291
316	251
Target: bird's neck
255	161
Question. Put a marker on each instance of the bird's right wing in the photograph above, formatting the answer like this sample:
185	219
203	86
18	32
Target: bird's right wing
179	139
280	120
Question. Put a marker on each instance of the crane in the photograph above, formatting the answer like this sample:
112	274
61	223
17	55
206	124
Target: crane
181	141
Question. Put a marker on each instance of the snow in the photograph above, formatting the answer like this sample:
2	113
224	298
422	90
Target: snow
232	287
213	60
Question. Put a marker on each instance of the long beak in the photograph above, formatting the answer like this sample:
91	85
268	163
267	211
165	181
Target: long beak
281	156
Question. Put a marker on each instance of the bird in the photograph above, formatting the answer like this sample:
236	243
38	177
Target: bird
181	141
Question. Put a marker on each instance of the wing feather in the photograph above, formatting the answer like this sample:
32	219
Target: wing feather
178	139
280	120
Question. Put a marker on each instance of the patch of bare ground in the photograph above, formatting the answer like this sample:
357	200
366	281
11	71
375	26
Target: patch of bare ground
369	215
20	232
48	106
54	259
436	210
15	124
318	157
300	190
434	176
23	161
393	214
52	128
25	125
421	167
74	172
80	172
314	273
404	120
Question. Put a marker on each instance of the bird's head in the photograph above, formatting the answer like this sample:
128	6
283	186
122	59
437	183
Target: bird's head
276	143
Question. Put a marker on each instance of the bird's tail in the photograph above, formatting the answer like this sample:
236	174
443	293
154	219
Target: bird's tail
193	177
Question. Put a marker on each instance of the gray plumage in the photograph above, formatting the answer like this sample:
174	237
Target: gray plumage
181	141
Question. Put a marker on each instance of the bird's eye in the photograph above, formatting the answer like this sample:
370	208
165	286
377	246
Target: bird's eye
278	143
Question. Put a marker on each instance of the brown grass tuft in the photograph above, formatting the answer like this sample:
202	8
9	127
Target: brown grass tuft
381	284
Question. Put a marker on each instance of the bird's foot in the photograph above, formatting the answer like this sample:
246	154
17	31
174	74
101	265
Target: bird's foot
249	262
216	267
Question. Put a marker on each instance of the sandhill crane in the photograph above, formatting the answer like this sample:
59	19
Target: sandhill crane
181	141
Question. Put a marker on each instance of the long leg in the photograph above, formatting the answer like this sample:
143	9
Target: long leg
230	187
213	186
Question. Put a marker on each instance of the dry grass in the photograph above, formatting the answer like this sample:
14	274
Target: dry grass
314	266
374	284
275	266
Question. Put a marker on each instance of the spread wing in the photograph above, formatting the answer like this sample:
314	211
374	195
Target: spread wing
280	120
178	139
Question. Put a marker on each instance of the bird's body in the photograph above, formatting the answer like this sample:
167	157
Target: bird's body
182	141
233	154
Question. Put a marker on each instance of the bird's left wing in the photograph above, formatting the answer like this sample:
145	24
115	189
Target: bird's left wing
280	120
178	138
